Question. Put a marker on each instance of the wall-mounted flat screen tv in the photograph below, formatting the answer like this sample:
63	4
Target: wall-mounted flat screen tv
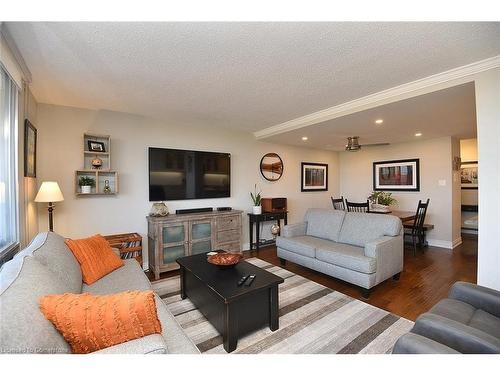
184	174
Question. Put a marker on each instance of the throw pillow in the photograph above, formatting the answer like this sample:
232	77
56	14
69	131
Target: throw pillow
91	322
95	256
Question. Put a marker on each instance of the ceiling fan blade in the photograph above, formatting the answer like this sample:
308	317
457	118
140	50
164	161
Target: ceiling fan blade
375	144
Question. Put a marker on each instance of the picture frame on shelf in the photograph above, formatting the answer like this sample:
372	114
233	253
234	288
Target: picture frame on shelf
396	175
96	146
469	177
314	177
30	141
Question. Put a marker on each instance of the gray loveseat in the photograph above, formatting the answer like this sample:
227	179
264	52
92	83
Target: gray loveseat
468	321
47	266
360	248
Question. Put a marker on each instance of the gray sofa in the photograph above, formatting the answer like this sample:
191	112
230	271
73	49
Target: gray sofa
47	266
468	321
360	248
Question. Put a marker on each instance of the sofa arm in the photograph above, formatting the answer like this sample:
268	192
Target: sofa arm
412	343
458	336
386	243
294	230
478	296
151	344
388	251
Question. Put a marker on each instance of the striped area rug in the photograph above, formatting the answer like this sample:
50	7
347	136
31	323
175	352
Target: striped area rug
313	319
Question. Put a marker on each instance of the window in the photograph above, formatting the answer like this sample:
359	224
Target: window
9	237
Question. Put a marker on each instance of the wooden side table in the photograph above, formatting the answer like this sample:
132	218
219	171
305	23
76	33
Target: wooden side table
263	217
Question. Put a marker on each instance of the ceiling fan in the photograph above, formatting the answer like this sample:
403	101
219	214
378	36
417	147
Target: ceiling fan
353	144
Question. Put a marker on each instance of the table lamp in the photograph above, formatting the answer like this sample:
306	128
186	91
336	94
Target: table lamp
49	192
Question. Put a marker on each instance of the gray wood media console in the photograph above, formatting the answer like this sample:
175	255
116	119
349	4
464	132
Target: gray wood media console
174	236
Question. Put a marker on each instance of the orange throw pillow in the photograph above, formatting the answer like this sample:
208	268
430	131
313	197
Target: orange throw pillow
95	256
90	322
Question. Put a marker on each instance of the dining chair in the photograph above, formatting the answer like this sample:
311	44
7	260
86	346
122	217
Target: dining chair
358	207
338	204
416	230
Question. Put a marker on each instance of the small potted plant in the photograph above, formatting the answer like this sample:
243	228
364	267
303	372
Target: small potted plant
256	199
86	184
381	200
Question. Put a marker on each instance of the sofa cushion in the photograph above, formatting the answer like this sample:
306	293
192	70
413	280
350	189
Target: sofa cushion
96	257
176	339
486	322
324	223
150	344
303	245
453	309
459	336
128	277
23	328
49	249
90	323
347	256
360	228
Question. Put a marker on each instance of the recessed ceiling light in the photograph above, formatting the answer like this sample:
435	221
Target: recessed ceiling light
379	121
305	138
418	134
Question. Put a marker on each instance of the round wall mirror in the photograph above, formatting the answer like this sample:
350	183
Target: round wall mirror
271	167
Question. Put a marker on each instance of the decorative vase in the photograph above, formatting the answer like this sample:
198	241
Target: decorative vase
380	207
107	188
257	210
96	163
159	209
275	230
86	189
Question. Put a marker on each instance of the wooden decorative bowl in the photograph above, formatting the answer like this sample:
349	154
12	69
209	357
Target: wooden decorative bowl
224	260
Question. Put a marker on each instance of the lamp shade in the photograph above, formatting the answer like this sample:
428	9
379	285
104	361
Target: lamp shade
49	192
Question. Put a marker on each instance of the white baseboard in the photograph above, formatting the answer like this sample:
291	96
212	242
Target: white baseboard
457	242
445	244
440	243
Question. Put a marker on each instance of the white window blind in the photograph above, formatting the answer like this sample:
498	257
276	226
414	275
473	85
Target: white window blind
9	236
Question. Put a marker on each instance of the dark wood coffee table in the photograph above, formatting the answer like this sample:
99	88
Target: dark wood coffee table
233	310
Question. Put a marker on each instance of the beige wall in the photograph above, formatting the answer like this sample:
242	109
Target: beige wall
435	165
61	129
488	137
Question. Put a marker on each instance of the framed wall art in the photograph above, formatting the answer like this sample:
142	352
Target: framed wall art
396	175
469	175
29	149
96	146
314	177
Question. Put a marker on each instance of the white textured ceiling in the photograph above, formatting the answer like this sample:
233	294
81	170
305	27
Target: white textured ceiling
243	75
448	112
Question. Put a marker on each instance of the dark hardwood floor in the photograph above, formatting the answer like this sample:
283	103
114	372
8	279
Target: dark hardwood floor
426	277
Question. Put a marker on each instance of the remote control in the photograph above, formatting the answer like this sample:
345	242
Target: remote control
242	280
250	280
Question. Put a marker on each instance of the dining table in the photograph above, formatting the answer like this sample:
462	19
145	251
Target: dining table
403	215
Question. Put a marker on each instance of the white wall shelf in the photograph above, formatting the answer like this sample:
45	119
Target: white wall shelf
102	176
